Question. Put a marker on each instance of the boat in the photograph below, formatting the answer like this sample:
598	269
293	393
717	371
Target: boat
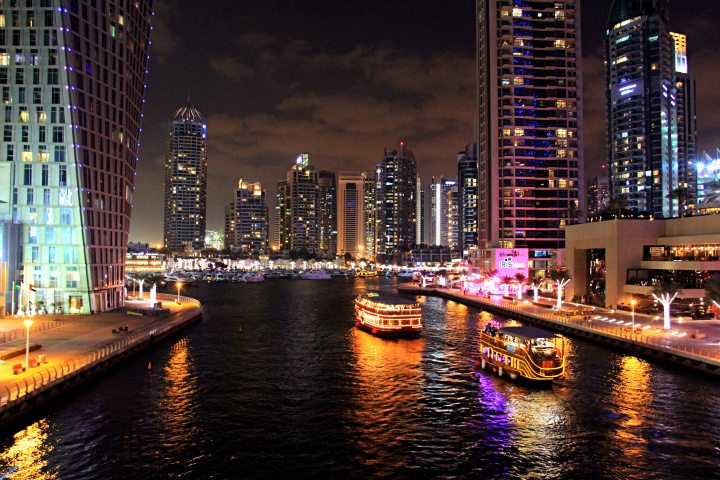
388	316
254	277
316	275
522	352
366	273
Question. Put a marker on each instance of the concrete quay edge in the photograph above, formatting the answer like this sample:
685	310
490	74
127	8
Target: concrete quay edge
657	353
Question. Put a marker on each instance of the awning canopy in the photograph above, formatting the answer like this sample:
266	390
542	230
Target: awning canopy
527	332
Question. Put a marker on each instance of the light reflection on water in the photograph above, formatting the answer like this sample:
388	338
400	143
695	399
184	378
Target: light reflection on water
27	457
302	392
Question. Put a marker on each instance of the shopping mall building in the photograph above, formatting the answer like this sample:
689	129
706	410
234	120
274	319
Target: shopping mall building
612	262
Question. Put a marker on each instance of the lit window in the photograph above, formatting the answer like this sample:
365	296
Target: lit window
519	132
559	43
562	133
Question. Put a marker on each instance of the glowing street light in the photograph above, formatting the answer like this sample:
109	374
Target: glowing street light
27	323
178	284
633	302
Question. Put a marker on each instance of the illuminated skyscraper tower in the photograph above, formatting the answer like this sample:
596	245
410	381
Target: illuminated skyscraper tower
642	106
72	81
530	168
186	181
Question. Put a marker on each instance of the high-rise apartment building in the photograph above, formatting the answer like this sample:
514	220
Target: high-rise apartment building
351	214
369	215
297	198
467	198
598	195
327	214
686	119
530	166
186	181
72	82
249	219
419	213
229	230
642	106
395	191
441	191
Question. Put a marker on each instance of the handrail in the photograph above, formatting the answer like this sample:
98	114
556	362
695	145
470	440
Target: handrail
75	365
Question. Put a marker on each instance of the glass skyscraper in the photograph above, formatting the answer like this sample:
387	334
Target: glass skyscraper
186	181
642	106
530	166
72	80
467	197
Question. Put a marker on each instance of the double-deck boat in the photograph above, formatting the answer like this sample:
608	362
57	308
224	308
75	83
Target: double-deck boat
521	352
388	316
366	273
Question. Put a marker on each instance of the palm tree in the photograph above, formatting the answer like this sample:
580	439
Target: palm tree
712	289
506	281
617	204
561	278
680	194
536	284
520	279
665	293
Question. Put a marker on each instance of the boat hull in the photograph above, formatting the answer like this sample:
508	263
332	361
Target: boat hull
406	332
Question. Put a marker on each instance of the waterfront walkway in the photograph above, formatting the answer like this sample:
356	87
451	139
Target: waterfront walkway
77	342
693	340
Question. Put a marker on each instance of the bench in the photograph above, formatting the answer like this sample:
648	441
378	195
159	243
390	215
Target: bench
17	368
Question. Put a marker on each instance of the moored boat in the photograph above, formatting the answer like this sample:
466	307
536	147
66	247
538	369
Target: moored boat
521	353
254	277
366	273
316	275
388	316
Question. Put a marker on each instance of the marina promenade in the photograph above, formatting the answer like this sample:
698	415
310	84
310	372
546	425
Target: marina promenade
693	343
75	347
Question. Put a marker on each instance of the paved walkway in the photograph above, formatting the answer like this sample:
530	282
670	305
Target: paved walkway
78	335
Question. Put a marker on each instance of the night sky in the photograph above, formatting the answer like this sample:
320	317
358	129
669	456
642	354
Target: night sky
344	80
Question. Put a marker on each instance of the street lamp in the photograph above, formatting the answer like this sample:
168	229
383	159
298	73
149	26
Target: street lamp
27	323
633	302
179	284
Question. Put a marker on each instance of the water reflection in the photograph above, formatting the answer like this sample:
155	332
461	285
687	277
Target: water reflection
388	389
27	457
633	398
178	401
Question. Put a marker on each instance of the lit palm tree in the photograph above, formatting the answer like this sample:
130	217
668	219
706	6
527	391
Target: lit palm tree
520	279
506	281
665	293
561	278
535	285
680	194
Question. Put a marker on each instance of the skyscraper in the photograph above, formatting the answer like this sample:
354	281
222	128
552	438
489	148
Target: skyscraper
642	111
419	213
467	197
598	195
327	211
229	230
440	190
249	217
351	214
186	181
530	168
369	215
686	119
297	213
395	190
72	94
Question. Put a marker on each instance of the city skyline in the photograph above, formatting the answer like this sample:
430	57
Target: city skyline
257	132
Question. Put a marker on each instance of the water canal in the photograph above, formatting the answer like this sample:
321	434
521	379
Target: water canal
298	391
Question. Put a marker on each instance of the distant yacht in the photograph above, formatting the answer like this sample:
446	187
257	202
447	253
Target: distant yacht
316	275
254	277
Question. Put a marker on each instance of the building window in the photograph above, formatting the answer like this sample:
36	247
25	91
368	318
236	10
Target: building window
7	133
27	175
45	175
72	278
57	135
65	216
62	176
